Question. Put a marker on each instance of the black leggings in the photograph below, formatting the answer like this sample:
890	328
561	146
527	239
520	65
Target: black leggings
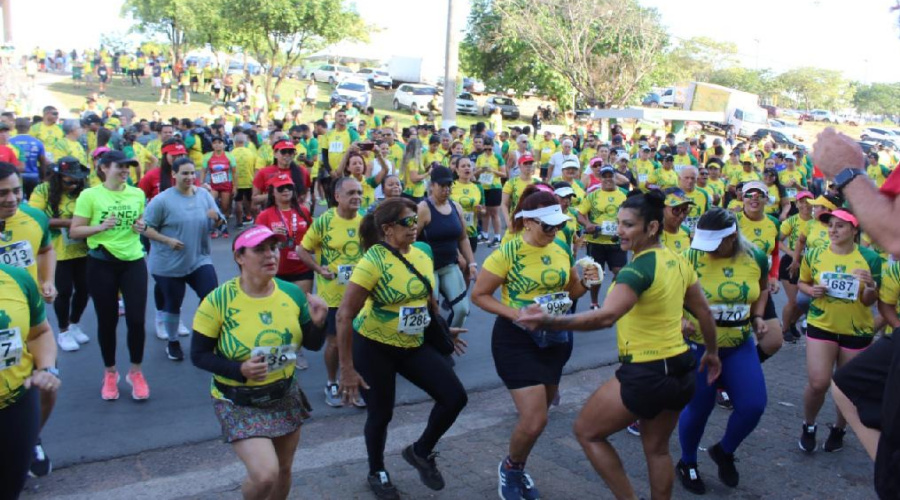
379	364
20	424
107	279
71	283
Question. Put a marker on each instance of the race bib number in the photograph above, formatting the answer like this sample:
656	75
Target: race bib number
276	357
413	320
609	228
841	285
19	254
486	179
642	178
10	348
771	200
343	274
219	177
554	304
469	218
336	147
790	192
691	223
729	313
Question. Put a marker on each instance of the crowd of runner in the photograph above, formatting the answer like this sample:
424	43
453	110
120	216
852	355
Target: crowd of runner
363	234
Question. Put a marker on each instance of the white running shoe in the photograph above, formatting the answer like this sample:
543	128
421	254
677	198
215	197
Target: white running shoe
66	342
161	331
183	330
78	334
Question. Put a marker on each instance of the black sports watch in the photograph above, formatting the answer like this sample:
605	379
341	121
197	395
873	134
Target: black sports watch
846	175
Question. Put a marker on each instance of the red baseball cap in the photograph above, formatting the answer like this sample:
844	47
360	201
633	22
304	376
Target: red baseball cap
280	180
526	158
174	149
283	144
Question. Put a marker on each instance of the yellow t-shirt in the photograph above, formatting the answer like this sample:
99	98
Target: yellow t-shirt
248	326
762	233
66	248
717	188
528	271
834	313
336	241
791	229
816	234
544	150
678	242
662	178
889	293
338	144
878	174
743	176
702	201
415	189
643	169
21	308
785	177
246	167
731	287
398	300
27	232
514	189
773	204
46	133
488	180
651	330
469	196
602	209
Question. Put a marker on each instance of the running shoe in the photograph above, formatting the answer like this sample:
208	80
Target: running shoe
529	491
510	482
332	396
78	334
40	462
225	234
495	243
183	330
174	352
835	441
723	400
214	234
67	342
808	438
139	388
110	389
302	363
635	428
482	237
359	402
728	473
595	306
690	478
381	486
161	330
428	471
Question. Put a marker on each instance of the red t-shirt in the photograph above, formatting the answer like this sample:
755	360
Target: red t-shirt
296	224
8	155
260	181
149	183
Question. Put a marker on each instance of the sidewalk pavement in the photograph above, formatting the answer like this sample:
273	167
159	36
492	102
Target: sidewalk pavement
331	460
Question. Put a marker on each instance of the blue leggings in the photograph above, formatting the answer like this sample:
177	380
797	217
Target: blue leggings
742	377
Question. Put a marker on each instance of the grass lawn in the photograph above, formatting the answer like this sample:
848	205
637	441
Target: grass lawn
144	101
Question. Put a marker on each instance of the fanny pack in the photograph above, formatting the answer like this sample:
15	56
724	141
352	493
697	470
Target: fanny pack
255	395
547	338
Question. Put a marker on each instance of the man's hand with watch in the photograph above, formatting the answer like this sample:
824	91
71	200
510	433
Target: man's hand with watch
45	379
846	176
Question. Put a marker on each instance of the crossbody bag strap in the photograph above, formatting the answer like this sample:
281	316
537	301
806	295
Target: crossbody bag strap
409	266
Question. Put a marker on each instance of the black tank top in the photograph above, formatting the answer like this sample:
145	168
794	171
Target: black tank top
442	233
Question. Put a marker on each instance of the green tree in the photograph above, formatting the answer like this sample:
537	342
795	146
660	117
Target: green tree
817	88
878	98
184	23
605	49
698	58
283	31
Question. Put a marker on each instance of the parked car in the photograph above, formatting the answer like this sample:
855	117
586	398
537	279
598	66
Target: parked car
466	104
867	146
651	100
330	73
821	115
353	91
472	85
413	96
779	136
878	133
376	77
507	107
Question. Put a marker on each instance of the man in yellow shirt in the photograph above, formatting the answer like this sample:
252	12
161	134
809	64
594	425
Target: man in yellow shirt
48	130
244	173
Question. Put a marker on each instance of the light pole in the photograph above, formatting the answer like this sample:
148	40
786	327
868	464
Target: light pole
451	69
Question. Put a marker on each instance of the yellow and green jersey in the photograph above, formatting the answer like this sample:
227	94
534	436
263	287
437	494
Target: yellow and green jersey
840	310
26	233
493	162
878	174
702	201
127	205
338	144
889	293
773	203
247	326
643	169
414	189
662	178
469	196
731	286
397	303
816	234
514	189
717	188
786	176
48	134
66	247
245	169
544	150
762	233
651	330
677	242
335	240
529	272
743	176
791	229
21	308
602	209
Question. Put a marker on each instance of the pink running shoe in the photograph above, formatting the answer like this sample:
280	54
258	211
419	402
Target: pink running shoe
139	388
110	389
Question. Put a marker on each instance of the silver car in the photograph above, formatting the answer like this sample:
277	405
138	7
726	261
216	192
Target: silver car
466	104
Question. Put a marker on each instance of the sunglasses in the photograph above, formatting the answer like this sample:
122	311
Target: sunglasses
288	152
408	221
756	195
548	228
284	188
71	183
681	210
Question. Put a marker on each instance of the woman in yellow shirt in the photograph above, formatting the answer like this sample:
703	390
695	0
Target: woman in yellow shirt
656	378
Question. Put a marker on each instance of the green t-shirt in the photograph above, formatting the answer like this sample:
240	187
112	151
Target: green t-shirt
98	203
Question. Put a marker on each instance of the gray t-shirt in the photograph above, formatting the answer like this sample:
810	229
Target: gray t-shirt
183	218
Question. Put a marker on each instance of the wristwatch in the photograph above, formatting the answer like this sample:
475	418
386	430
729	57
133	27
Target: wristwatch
52	370
846	175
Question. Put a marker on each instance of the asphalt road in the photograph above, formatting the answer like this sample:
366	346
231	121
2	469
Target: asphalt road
84	428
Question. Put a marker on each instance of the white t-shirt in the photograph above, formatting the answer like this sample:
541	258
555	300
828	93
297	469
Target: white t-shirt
557	160
376	168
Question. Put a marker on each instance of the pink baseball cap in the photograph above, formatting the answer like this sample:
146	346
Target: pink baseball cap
254	236
840	214
805	194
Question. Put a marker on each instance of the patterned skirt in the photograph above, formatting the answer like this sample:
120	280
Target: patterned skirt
270	420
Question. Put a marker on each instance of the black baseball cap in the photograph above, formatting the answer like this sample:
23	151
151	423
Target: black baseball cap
117	157
71	167
441	175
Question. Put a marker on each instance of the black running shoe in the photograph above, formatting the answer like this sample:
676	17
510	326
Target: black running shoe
808	438
381	486
428	472
723	400
174	352
728	473
835	441
40	462
690	478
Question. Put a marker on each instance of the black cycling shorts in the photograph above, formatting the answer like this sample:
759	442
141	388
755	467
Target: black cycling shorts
783	273
493	198
864	378
610	254
851	342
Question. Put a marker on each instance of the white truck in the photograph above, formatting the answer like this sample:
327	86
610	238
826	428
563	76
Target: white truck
404	69
739	109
